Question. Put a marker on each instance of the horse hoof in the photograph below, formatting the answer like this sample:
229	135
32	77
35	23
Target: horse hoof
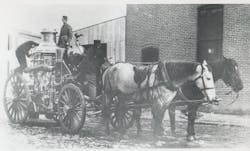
125	136
139	132
107	132
122	137
158	133
138	135
191	138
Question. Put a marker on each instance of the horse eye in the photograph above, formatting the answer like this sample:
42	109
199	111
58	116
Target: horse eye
236	68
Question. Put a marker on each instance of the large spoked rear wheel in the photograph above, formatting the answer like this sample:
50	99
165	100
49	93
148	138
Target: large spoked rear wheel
16	98
121	116
72	109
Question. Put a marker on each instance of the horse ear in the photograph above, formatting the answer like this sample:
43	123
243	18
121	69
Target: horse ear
204	62
198	68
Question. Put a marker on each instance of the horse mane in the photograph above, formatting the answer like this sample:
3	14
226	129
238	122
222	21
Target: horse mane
180	70
218	68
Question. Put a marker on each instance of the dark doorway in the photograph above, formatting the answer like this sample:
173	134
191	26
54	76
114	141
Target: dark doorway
101	54
150	54
96	52
210	32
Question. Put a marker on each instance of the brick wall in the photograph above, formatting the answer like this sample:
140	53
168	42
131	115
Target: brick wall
173	29
236	44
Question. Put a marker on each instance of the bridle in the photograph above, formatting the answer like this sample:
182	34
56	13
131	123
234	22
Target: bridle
203	82
226	81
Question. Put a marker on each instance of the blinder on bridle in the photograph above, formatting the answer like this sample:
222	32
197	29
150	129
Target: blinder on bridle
203	82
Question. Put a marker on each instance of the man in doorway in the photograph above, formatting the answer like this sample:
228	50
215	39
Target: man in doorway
21	52
65	34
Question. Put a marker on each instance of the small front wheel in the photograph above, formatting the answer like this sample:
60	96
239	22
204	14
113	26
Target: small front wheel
16	99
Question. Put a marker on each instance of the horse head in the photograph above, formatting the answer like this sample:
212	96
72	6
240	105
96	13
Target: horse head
204	81
176	74
231	74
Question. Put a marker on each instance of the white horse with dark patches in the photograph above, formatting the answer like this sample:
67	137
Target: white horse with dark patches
156	84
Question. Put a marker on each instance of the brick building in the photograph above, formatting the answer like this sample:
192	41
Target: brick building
174	33
152	32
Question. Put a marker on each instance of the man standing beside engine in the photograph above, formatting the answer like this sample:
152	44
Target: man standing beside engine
22	52
65	34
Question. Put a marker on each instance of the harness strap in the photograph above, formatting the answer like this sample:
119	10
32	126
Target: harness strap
179	91
166	78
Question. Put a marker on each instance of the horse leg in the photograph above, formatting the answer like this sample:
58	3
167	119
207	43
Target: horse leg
121	108
192	112
106	113
171	113
158	114
137	115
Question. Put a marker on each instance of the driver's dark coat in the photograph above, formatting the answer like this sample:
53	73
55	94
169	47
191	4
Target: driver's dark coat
22	52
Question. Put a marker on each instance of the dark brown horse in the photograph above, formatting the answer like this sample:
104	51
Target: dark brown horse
156	84
225	69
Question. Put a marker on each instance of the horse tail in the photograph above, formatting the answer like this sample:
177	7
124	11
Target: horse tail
106	81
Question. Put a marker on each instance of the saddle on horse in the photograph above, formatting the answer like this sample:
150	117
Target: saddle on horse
142	72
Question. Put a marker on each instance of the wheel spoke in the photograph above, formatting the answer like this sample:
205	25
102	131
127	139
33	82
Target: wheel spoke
15	99
113	116
75	120
123	123
62	102
65	118
69	121
74	112
20	88
23	108
126	120
64	99
76	100
10	110
67	93
14	116
72	95
8	100
78	117
23	103
17	112
21	112
78	107
129	115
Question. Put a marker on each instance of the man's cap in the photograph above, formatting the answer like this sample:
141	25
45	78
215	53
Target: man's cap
65	17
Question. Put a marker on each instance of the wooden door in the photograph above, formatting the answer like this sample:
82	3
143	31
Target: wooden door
210	33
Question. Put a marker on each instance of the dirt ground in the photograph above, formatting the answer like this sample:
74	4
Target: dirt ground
46	134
